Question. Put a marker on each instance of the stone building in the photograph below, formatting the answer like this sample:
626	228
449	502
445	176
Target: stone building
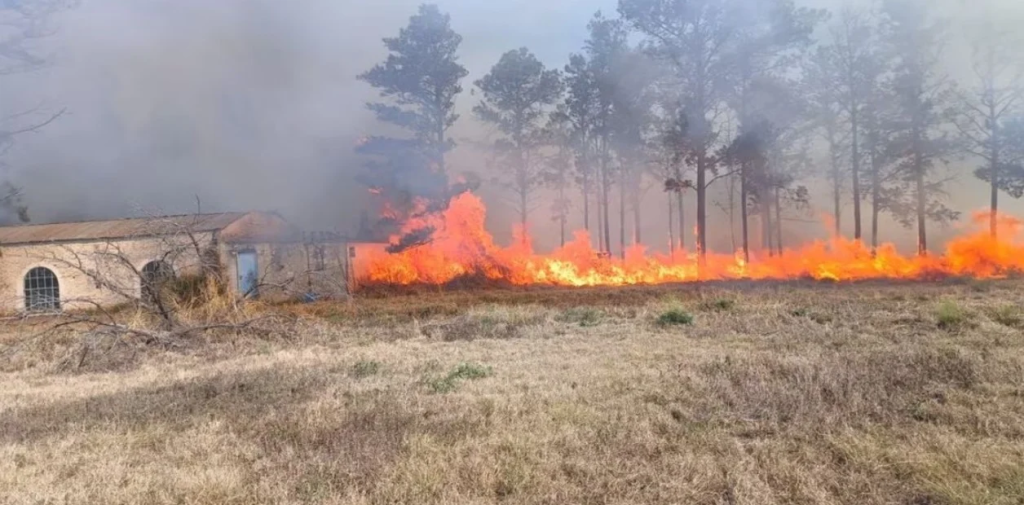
82	265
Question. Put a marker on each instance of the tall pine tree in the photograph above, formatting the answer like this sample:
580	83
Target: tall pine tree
518	96
419	80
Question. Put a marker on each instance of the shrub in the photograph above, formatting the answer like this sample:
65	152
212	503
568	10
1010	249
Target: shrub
675	317
364	369
950	316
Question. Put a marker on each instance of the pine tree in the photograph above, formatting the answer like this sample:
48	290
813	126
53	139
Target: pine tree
420	80
518	95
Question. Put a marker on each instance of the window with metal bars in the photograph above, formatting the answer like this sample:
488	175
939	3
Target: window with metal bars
42	290
155	276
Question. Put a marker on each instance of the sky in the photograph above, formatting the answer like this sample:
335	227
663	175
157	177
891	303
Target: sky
253	104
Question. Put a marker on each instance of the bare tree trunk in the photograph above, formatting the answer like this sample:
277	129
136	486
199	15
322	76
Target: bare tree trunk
837	195
586	203
600	216
682	213
702	195
523	214
562	211
622	213
637	239
876	195
855	132
778	220
922	232
671	227
994	175
766	226
682	219
732	212
744	218
606	210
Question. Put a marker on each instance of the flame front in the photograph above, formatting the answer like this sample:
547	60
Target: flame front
462	247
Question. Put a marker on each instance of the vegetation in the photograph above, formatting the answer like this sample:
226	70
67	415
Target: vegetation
756	404
363	369
724	100
675	317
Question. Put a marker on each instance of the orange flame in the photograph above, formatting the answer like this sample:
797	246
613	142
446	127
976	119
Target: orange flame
461	246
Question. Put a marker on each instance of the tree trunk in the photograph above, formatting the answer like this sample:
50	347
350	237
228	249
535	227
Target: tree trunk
766	226
622	214
732	213
671	228
682	219
600	216
562	211
606	211
440	126
637	239
876	195
855	132
994	175
745	221
922	232
586	203
702	195
778	220
523	214
837	195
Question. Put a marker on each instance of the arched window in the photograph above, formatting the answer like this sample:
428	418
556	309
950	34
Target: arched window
154	275
42	291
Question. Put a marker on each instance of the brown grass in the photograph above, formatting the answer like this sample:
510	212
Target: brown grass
781	393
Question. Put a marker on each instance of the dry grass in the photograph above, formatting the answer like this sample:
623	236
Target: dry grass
795	393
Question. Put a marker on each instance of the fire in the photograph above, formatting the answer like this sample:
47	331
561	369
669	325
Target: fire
460	246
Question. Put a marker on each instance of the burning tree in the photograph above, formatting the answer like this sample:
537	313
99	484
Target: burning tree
420	80
518	95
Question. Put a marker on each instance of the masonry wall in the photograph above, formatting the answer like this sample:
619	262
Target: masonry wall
291	270
78	265
286	270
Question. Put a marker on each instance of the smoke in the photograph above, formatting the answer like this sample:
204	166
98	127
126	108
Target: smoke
253	104
247	104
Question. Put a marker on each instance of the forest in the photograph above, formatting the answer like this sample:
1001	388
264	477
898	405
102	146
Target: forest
742	109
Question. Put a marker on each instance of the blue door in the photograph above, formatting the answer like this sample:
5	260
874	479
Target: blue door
248	274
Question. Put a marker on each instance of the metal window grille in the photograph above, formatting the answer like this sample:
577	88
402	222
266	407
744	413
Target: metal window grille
42	291
154	275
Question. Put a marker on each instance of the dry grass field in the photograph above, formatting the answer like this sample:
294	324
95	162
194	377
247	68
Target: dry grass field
732	394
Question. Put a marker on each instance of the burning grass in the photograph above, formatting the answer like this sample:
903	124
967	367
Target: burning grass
776	393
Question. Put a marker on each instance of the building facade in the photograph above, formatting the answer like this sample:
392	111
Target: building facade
85	265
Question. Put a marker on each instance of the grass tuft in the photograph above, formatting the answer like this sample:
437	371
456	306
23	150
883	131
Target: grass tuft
675	317
950	316
1008	315
363	369
719	305
464	371
586	317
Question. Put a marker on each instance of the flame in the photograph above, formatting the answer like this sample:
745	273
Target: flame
461	246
